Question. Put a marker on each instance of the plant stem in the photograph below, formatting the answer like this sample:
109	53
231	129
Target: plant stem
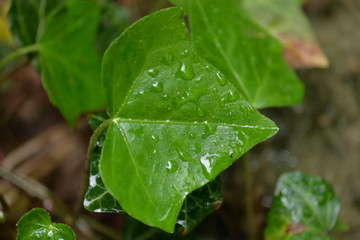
92	146
248	198
19	52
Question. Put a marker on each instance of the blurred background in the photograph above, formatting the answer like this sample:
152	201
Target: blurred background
321	137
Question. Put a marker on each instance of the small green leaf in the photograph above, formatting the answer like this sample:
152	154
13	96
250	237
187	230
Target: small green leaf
225	35
198	205
37	224
304	207
69	61
176	120
286	21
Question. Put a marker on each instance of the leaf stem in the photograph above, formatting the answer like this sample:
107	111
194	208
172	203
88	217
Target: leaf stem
248	198
19	52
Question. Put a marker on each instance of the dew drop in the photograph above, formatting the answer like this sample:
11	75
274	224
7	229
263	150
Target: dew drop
185	71
155	138
157	87
153	73
209	130
184	156
165	97
221	78
172	166
200	112
192	136
185	53
207	162
209	68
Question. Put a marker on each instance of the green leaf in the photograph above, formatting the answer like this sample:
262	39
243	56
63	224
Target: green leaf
225	36
177	123
27	18
197	205
97	197
114	20
304	207
286	21
135	230
37	224
69	61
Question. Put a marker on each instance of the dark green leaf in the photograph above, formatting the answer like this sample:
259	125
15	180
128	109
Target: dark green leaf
135	230
198	205
114	19
177	122
224	35
304	207
27	18
97	197
37	224
70	64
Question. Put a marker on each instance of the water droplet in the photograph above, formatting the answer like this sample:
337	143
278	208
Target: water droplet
184	156
221	78
157	87
172	166
196	59
185	71
153	73
197	147
141	92
207	162
209	130
185	53
168	59
209	68
200	112
165	97
232	96
192	136
155	138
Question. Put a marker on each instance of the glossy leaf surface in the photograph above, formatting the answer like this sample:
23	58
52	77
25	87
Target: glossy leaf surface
69	61
197	205
286	21
304	207
177	121
225	35
37	225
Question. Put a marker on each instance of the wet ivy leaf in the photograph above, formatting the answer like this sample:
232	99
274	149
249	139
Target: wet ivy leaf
97	197
225	35
198	205
37	224
286	21
70	64
177	121
304	207
135	230
114	19
27	18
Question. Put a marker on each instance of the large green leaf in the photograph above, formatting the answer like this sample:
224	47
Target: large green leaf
37	225
69	61
197	205
225	35
304	207
286	21
176	122
27	18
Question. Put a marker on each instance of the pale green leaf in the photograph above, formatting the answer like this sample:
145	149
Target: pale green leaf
177	121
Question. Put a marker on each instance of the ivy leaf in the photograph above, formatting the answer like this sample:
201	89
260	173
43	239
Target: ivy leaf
69	61
197	205
286	21
176	121
304	207
37	224
225	36
27	19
